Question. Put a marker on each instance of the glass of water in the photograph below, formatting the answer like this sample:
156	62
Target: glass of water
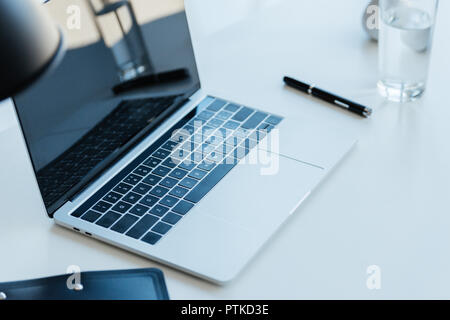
405	37
122	33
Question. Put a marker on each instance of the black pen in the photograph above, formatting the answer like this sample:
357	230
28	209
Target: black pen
329	97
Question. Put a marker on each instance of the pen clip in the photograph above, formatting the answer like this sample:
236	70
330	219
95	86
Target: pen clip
340	103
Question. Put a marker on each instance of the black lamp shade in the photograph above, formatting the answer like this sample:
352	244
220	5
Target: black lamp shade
29	42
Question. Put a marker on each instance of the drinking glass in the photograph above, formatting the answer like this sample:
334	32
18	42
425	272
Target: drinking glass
121	32
405	37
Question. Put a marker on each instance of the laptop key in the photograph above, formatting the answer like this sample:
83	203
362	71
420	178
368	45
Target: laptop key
188	183
121	207
187	147
232	107
231	160
223	149
224	115
178	192
151	238
169	145
205	102
161	153
108	219
149	200
207	130
215	122
142	226
124	223
142	188
240	152
122	188
142	170
171	218
249	143
260	134
112	197
159	210
198	138
233	141
187	164
197	174
208	182
169	163
151	179
168	201
169	182
77	213
214	140
179	154
161	171
132	197
159	191
91	216
254	120
253	135
102	206
216	105
152	162
243	114
162	228
241	133
189	129
265	127
139	210
205	115
178	173
183	207
274	120
132	179
206	165
231	125
207	148
197	123
224	133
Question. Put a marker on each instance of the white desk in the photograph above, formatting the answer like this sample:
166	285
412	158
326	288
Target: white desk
387	204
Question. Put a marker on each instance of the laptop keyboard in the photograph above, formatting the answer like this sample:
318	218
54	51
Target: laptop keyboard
154	192
129	118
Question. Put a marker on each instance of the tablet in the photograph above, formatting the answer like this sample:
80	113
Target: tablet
135	284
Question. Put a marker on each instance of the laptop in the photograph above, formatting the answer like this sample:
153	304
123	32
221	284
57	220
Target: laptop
169	172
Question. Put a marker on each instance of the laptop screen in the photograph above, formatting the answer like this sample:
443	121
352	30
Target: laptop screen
74	125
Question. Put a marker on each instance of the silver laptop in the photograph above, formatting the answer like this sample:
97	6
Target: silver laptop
169	172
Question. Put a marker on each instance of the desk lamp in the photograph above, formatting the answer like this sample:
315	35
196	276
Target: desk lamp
31	44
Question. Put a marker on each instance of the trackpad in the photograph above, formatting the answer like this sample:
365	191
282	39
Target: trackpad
257	196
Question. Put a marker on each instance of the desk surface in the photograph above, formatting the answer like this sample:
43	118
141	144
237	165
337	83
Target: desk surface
385	205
